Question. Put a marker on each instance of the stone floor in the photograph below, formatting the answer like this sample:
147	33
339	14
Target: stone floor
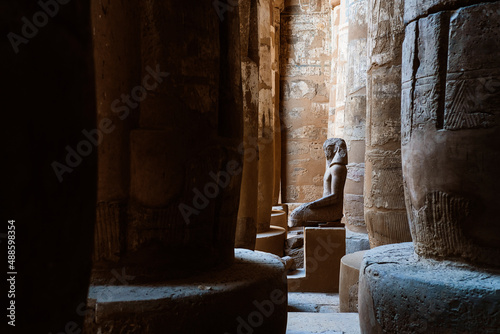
310	313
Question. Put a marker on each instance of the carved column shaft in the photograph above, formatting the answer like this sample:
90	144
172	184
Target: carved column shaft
266	118
277	7
246	229
355	114
116	48
335	19
385	211
185	170
450	130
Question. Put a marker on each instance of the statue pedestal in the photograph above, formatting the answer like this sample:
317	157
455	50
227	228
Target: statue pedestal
248	297
324	247
401	293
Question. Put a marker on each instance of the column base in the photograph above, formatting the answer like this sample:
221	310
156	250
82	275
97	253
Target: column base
279	218
401	293
272	241
249	296
349	281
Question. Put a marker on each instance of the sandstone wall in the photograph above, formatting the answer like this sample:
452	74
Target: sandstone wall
305	61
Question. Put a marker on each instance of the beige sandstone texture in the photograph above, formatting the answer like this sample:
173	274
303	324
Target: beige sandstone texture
448	279
385	211
246	228
355	113
450	133
305	72
324	247
349	281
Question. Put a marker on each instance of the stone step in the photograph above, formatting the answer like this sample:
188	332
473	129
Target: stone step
324	323
313	302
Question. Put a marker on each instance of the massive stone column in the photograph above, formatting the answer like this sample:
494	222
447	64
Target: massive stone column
277	7
269	238
335	26
49	164
355	113
177	259
339	63
450	131
450	153
266	118
184	166
117	56
246	229
385	212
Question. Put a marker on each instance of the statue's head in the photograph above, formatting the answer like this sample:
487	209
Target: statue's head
335	151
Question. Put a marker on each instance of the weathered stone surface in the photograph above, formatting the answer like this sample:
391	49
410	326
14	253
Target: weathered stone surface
266	118
328	208
184	168
354	113
305	65
312	323
271	241
116	32
298	256
324	247
349	281
450	111
355	242
313	302
289	263
400	293
415	9
246	227
172	307
277	7
353	210
295	242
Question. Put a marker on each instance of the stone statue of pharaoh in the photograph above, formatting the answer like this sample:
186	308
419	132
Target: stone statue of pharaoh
327	209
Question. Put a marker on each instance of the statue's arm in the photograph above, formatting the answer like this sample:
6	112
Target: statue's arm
339	173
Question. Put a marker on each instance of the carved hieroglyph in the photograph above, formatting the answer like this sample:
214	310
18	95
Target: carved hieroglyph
385	211
450	133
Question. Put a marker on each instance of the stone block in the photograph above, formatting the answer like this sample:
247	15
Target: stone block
324	247
296	241
251	295
401	293
418	8
449	122
355	242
